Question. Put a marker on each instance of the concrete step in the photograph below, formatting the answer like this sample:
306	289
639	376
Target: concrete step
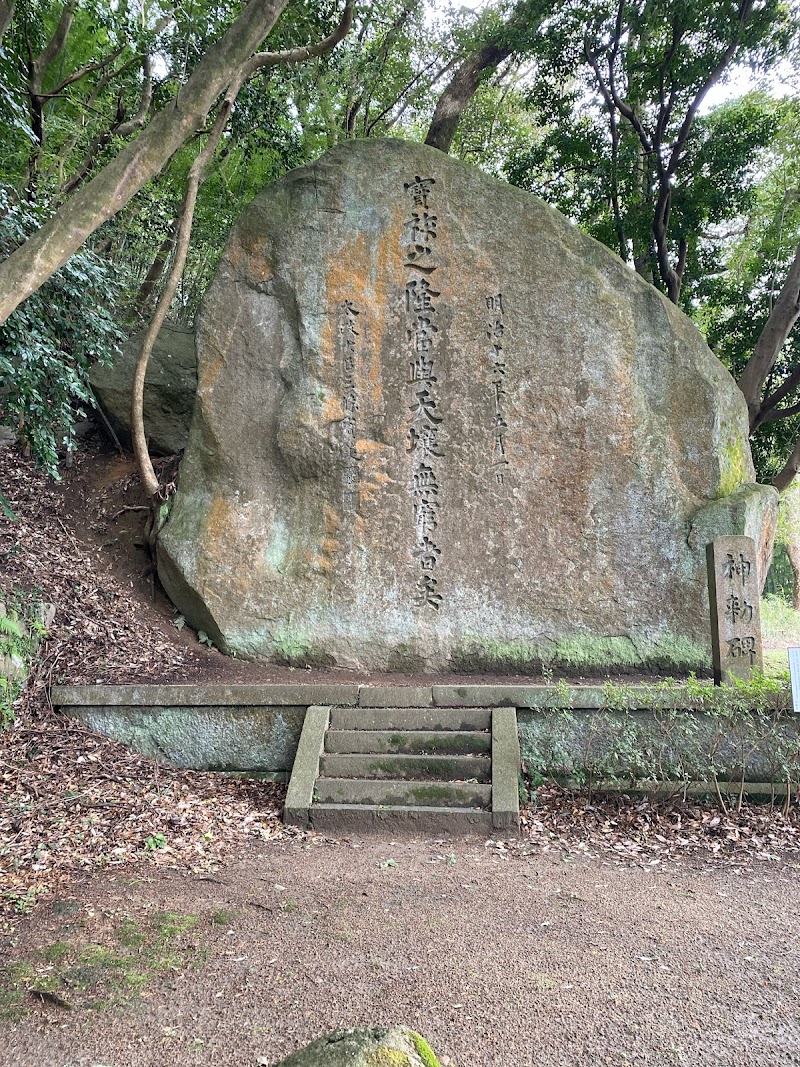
418	794
357	818
404	767
444	742
411	718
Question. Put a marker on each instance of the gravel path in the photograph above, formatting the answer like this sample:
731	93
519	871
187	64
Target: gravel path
497	959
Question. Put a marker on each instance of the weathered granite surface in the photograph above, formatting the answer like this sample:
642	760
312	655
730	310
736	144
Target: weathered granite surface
205	737
438	427
169	389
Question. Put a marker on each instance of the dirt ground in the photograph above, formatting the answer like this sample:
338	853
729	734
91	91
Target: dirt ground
498	957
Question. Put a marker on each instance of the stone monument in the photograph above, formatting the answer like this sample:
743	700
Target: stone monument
734	593
439	428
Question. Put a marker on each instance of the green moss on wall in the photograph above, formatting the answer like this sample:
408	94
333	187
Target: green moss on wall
733	467
580	654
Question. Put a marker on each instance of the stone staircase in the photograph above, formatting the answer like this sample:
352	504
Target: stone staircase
430	770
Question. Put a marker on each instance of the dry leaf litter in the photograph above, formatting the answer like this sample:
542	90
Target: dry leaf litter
71	800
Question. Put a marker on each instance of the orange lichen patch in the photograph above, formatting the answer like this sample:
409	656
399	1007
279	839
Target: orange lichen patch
369	273
207	372
364	445
332	410
373	470
331	519
220	536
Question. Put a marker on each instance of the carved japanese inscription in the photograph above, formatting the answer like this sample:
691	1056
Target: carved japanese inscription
424	431
495	331
733	590
346	334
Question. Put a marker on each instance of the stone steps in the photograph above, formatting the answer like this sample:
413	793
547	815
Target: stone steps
439	742
390	765
354	818
409	719
431	770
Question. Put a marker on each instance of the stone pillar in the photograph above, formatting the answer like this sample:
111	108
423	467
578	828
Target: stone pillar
733	593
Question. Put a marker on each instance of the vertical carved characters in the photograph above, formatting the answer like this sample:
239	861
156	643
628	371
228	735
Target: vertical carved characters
734	601
494	331
419	310
346	334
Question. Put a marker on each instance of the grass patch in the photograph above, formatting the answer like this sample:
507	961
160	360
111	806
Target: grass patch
96	976
779	622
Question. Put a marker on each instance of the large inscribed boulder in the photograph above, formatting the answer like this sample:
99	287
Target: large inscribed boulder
437	427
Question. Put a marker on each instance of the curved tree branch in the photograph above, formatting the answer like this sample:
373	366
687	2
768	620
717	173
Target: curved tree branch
197	175
6	15
784	315
139	161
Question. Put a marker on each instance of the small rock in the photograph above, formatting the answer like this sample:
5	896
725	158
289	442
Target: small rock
372	1046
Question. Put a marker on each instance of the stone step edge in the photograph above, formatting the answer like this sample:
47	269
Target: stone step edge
364	818
408	720
307	694
421	742
406	766
305	769
399	792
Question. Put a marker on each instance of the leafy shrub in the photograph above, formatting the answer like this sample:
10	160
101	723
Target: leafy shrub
21	630
49	343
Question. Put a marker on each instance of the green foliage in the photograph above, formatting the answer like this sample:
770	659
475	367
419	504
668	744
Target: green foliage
20	634
780	623
48	345
671	736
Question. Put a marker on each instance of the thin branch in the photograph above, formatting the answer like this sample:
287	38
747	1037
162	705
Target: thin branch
403	94
138	120
783	480
89	68
771	400
745	9
781	413
291	56
56	42
781	321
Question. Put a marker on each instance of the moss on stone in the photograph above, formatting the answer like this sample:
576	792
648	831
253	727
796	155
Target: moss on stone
584	654
432	792
424	1050
295	648
389	1057
490	654
734	466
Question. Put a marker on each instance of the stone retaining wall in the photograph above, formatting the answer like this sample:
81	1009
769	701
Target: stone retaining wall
256	729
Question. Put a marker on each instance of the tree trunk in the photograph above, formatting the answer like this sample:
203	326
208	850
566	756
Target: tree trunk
144	297
6	15
101	198
793	552
461	89
780	323
789	535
